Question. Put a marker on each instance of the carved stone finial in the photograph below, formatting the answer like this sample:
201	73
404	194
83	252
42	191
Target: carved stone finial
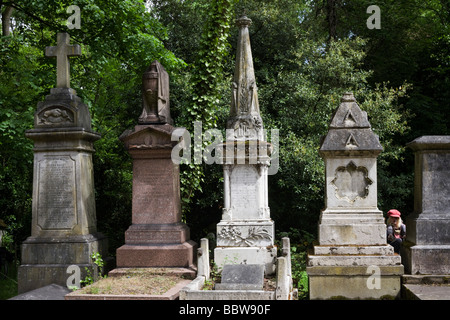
155	96
348	97
245	118
244	21
350	131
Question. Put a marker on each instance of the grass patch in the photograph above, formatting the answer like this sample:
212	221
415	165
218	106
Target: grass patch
8	283
133	284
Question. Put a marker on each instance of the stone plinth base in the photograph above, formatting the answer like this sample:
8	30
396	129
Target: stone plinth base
427	246
363	228
354	272
45	261
354	282
247	255
426	259
34	276
163	255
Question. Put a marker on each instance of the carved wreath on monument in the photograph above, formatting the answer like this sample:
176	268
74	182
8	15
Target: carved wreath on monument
56	116
254	234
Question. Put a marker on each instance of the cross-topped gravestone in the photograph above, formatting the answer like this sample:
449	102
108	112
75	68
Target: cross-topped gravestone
64	224
62	52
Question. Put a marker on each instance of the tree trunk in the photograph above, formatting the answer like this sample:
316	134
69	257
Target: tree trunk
331	19
6	20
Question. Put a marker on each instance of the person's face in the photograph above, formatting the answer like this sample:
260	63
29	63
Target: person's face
394	220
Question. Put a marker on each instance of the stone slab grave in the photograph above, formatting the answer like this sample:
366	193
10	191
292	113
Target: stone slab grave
48	292
427	247
64	226
352	259
136	284
240	281
245	253
157	243
241	277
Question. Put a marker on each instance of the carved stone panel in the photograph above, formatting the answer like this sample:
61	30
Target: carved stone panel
155	192
56	116
244	195
248	235
351	182
56	193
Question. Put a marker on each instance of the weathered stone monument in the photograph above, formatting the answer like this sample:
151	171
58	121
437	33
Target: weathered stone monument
352	259
427	249
245	253
246	232
157	237
63	230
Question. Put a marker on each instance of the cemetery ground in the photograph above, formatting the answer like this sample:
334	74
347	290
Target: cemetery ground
139	283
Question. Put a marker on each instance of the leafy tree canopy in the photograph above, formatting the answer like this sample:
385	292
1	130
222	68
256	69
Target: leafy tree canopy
306	55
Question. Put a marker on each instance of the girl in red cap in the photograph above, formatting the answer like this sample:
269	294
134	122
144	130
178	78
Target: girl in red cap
396	229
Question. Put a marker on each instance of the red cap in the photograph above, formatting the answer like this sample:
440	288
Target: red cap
394	213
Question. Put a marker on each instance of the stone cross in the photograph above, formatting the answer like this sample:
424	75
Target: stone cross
62	52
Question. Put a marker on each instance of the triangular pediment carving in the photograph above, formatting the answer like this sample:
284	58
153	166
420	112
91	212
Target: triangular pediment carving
349	114
148	136
350	130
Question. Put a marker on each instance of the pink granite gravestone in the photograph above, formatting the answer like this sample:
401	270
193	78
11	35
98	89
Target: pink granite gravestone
157	237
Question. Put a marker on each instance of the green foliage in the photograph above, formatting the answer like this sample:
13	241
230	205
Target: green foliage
97	273
17	100
206	80
119	40
301	74
214	277
8	282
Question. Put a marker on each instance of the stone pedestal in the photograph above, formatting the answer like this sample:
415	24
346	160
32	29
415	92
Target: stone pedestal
352	232
157	237
246	232
427	249
63	231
